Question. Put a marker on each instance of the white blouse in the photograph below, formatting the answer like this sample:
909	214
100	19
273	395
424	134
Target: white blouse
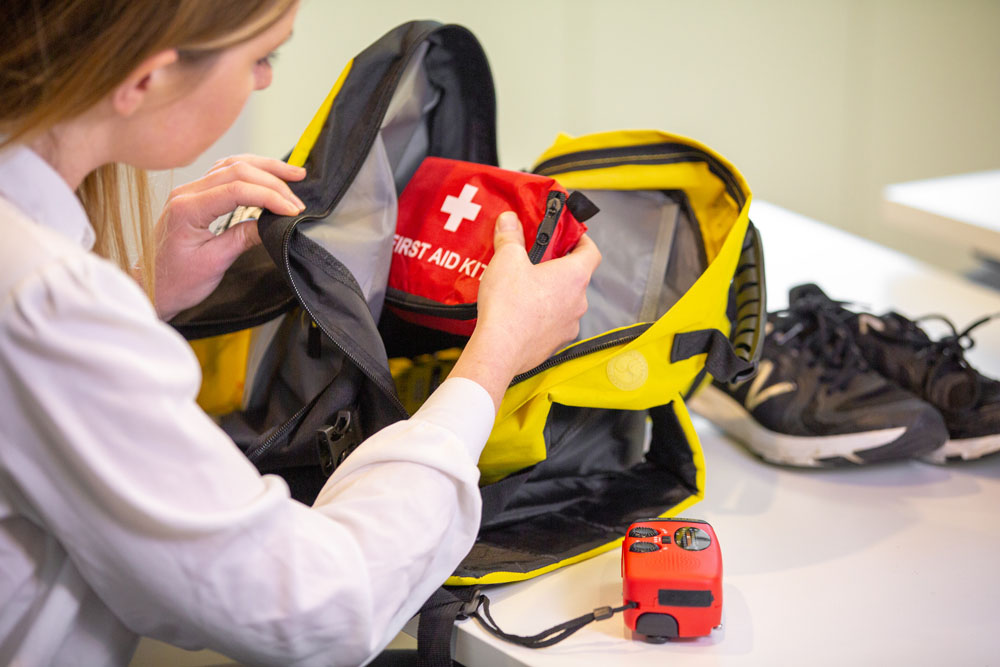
125	511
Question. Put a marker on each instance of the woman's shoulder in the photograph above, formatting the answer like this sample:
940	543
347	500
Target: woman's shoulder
36	260
29	245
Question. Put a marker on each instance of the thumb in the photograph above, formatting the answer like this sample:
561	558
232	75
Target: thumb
235	241
508	230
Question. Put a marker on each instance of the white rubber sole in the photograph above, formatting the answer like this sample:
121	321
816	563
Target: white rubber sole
732	417
966	449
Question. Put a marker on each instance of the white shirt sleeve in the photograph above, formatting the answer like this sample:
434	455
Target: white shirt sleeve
175	530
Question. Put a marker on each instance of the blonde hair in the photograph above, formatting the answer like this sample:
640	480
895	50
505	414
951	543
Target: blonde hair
61	57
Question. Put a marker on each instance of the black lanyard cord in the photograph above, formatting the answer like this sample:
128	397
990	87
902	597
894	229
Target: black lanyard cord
548	637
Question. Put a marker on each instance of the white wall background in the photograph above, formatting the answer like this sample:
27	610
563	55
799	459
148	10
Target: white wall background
819	102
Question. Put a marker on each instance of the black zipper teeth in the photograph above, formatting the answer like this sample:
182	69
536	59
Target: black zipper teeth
262	449
629	155
582	351
553	210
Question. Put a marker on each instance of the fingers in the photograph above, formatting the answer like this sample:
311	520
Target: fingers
507	230
587	252
207	204
243	171
281	169
235	241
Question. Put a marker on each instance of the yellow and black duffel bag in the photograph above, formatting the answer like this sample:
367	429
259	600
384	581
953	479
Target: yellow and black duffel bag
302	362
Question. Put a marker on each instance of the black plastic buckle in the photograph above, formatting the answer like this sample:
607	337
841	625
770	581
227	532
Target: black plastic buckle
334	442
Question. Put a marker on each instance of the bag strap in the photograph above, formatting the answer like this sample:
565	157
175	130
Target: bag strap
437	624
734	358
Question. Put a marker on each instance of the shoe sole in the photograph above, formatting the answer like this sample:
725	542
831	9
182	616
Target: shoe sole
964	449
800	451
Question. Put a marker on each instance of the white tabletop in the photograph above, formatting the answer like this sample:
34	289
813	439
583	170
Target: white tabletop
884	565
961	210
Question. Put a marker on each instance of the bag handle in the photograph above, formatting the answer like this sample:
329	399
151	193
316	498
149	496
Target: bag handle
734	358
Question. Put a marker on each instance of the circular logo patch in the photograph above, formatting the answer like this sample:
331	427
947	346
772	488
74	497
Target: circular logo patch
628	371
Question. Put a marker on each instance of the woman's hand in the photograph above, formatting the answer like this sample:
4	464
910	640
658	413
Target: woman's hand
525	311
190	259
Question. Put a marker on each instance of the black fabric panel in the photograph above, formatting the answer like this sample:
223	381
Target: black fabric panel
252	291
406	339
340	310
545	539
586	447
463	126
591	487
349	131
670	448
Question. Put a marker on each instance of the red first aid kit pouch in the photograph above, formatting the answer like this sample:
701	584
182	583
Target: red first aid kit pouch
444	235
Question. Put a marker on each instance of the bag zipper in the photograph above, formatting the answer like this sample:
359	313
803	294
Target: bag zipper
583	348
390	393
659	153
257	452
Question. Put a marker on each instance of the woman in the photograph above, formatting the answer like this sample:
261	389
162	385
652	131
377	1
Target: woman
124	510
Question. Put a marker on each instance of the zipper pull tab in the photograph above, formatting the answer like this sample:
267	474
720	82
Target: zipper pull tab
314	341
547	227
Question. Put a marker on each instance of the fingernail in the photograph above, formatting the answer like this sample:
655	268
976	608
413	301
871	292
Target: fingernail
507	221
299	204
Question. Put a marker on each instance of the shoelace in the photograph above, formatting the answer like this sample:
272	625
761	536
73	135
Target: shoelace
943	354
820	325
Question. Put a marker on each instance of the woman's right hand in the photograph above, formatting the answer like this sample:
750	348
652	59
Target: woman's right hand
525	311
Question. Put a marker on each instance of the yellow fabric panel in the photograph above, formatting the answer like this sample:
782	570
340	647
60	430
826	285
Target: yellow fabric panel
315	126
223	362
613	378
417	378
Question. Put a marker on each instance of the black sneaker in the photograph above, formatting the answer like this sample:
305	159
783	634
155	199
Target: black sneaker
937	371
815	402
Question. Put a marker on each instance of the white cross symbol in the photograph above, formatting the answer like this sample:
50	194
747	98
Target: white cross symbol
460	208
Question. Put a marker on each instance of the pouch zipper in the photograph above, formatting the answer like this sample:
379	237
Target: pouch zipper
546	228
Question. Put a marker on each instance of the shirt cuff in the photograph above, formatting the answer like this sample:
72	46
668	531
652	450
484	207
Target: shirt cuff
463	407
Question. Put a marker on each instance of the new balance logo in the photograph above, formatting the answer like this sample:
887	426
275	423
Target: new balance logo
460	208
757	394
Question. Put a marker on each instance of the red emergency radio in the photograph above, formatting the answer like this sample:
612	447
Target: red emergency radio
672	573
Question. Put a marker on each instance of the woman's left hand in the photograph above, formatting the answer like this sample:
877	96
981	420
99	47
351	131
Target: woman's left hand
190	259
